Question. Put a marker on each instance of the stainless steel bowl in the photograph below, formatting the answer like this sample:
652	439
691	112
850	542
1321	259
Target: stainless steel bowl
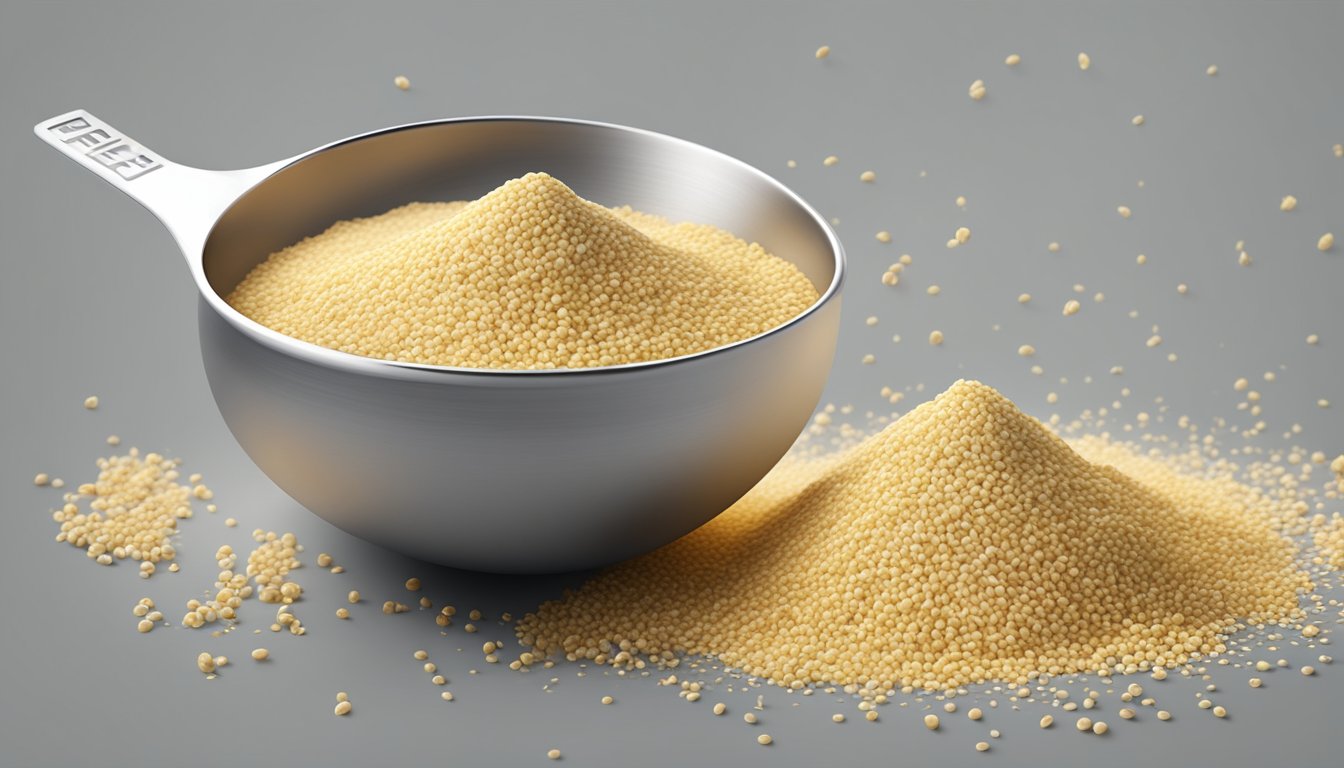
492	470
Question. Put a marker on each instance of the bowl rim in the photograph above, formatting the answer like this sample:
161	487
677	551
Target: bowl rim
360	364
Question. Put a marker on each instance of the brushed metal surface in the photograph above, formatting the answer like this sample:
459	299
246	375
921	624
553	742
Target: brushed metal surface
503	471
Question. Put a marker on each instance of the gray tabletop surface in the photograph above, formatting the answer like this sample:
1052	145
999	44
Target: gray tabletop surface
94	299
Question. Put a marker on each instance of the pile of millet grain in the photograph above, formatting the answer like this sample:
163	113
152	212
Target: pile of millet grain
964	543
529	276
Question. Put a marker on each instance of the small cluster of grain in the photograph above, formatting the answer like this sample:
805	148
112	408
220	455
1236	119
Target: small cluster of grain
1329	541
530	276
231	589
134	507
963	543
270	563
267	567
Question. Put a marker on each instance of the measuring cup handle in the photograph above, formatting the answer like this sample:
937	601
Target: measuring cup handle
187	200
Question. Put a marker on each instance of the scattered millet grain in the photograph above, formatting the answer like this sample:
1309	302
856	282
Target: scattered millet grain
975	713
42	478
1163	714
982	746
977	90
931	722
1100	728
823	51
1212	70
749	718
830	160
205	662
1124	211
1219	712
936	338
1071	307
884	236
1326	242
608	700
1288	203
837	718
764	740
260	654
342	613
1084	61
343	708
1047	721
868	176
1013	60
145	625
402	82
1136	120
1026	350
584	286
413	584
720	708
91	402
1308	671
353	597
1084	724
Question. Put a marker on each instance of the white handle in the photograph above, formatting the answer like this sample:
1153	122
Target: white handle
187	200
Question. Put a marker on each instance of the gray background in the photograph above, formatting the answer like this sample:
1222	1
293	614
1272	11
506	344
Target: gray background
94	299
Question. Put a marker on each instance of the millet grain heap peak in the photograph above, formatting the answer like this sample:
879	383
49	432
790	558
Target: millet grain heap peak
530	276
